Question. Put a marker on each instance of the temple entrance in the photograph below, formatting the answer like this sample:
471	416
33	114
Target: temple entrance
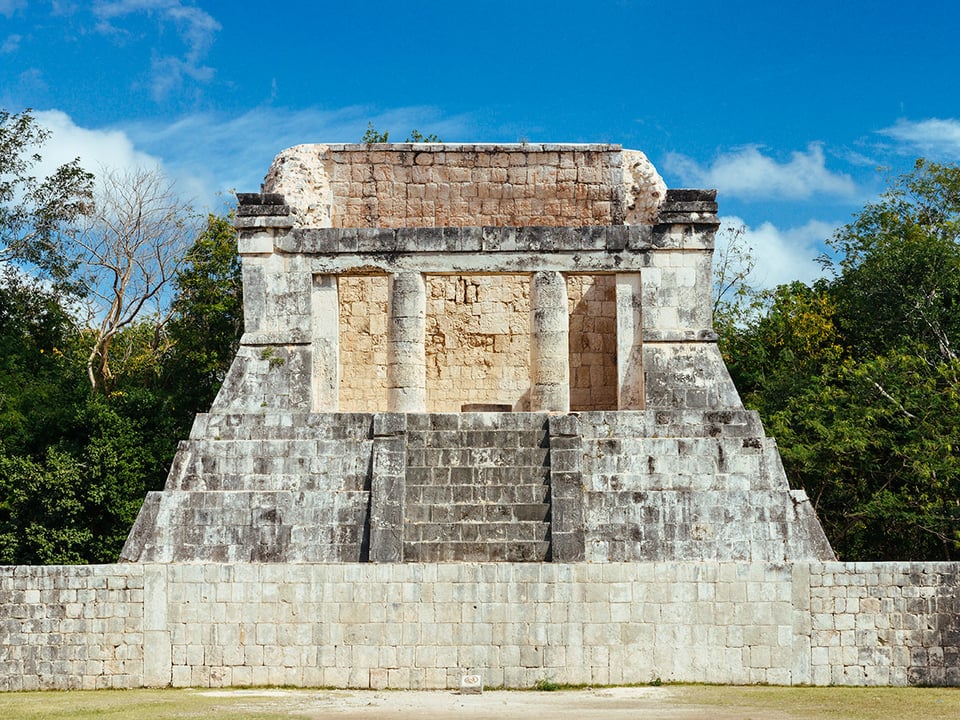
477	335
593	342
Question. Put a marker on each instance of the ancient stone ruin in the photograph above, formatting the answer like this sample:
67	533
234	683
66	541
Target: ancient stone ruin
478	432
476	353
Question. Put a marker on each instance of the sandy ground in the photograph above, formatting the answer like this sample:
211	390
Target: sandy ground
606	703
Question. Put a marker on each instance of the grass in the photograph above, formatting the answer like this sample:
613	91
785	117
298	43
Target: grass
850	703
718	702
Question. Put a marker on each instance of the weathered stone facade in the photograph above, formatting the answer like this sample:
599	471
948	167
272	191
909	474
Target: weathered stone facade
418	316
478	424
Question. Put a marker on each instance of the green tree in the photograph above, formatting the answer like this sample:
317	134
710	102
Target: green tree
38	217
207	321
897	274
857	376
76	502
38	364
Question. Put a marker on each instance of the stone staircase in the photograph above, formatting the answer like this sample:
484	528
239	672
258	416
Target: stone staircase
477	488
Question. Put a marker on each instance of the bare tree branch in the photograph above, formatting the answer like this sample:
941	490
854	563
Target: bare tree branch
129	252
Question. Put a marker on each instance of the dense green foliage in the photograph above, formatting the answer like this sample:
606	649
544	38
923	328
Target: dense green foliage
858	379
74	464
77	457
38	216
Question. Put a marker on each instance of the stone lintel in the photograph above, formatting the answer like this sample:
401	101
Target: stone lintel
272	221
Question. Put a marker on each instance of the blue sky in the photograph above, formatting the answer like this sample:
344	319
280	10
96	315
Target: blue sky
788	108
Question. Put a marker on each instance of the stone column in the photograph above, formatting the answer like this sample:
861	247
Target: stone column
406	352
325	309
629	343
549	343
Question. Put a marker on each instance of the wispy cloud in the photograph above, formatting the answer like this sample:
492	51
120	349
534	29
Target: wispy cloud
215	153
749	174
936	138
11	44
209	154
195	27
9	7
783	255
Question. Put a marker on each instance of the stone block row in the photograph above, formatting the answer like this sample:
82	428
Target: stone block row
419	625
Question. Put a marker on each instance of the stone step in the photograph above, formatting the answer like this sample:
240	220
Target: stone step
488	531
476	552
477	512
449	494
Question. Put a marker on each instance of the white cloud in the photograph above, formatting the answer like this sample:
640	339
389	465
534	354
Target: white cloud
209	154
782	255
195	27
934	137
748	173
96	148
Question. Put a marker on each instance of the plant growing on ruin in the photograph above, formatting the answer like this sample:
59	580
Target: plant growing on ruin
372	136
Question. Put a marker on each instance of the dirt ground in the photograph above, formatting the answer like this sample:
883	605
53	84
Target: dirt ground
607	703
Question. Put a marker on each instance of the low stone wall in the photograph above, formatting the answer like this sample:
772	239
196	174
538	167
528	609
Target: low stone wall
425	625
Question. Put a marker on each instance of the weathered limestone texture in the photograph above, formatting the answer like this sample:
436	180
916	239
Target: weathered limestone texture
422	287
478	425
426	625
593	342
437	185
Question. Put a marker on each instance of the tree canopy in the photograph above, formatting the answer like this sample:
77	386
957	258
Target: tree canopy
857	375
121	284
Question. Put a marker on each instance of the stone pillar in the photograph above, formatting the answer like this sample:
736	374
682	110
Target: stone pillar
629	343
325	309
157	650
549	343
406	352
387	479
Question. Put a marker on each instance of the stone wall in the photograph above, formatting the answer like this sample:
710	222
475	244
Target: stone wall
77	628
593	341
461	185
363	342
425	625
477	341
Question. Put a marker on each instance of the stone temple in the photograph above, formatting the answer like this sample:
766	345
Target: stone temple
477	431
476	353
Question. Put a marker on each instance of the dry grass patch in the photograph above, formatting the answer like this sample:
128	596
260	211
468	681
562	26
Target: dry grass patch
675	702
